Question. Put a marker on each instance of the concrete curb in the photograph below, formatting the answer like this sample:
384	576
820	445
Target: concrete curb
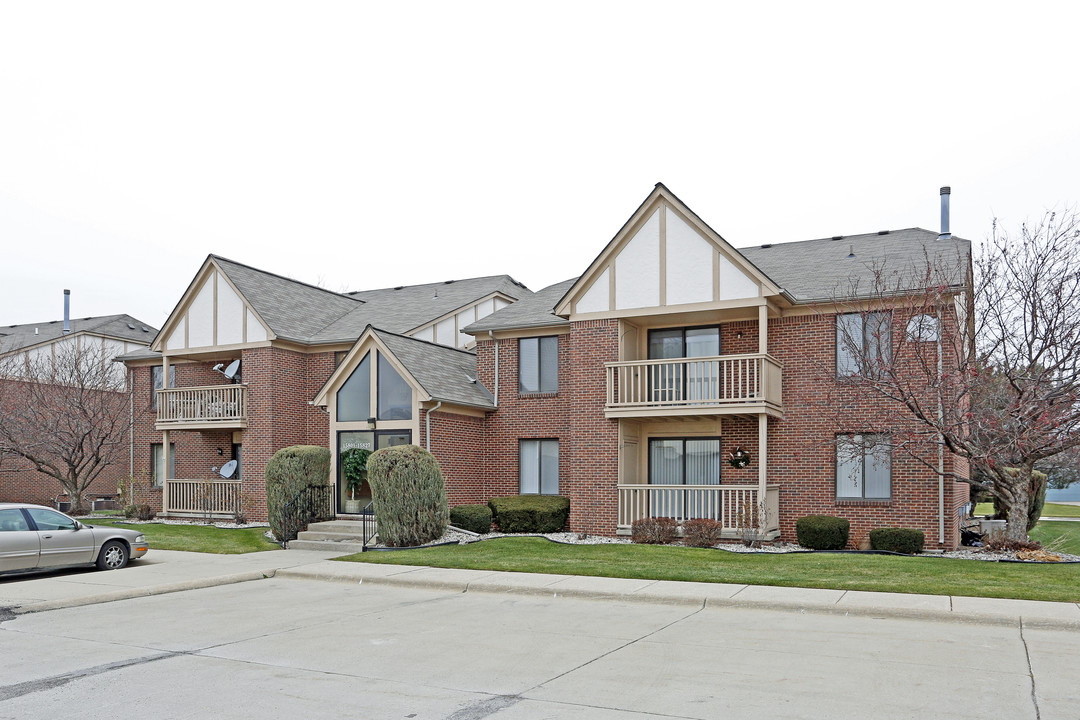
137	592
971	610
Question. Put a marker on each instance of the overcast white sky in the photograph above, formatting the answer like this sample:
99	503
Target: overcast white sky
360	145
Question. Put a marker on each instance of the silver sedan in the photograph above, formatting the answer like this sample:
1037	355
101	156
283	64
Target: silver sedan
35	537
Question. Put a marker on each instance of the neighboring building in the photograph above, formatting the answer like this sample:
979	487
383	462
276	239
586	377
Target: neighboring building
629	389
27	349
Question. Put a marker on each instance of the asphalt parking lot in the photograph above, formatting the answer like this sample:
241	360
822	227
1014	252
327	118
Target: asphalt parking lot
298	647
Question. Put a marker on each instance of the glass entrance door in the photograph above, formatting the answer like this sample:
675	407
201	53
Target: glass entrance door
364	440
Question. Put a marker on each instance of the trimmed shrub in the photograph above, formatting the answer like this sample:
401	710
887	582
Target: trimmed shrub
702	532
288	472
530	513
900	540
474	518
139	512
822	532
654	531
409	496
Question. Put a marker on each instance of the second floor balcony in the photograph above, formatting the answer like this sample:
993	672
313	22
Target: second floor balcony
719	385
199	408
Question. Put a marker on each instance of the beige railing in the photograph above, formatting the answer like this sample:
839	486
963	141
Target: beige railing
213	403
730	505
217	497
705	381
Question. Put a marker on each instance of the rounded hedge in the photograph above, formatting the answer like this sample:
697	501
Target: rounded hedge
408	494
898	540
822	532
288	472
474	518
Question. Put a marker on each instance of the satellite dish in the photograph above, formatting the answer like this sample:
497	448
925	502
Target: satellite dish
232	371
228	469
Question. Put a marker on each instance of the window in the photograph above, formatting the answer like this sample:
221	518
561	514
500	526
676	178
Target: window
12	520
354	397
395	395
691	380
538	365
156	374
863	467
48	520
339	356
539	467
863	343
156	464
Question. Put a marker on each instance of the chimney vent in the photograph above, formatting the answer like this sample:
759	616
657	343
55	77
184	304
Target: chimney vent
945	193
67	311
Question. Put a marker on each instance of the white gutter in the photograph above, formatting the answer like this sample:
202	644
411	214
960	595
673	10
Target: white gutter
491	334
427	419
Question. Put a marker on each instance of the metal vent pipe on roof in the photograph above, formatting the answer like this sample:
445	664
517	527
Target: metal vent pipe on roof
945	234
67	311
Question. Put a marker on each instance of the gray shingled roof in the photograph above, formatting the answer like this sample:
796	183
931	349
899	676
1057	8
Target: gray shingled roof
533	311
404	308
812	270
445	373
13	337
293	310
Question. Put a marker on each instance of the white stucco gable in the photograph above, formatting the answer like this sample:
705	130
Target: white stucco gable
664	259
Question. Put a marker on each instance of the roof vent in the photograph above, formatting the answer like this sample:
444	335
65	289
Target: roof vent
837	237
399	287
851	255
882	232
447	282
130	326
767	245
146	329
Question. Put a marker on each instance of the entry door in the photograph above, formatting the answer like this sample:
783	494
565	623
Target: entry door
61	542
18	543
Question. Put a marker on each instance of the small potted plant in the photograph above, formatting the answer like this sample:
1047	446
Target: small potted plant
354	470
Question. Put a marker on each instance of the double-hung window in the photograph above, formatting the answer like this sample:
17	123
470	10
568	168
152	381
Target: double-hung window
863	343
863	467
538	365
157	476
539	467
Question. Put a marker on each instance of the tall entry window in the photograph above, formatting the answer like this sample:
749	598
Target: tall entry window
678	381
354	397
395	395
679	462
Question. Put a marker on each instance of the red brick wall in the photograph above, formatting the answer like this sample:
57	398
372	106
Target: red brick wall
457	442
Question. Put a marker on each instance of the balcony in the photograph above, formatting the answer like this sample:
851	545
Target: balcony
200	408
216	499
730	505
720	385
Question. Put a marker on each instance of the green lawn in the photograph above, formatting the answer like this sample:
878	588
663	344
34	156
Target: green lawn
198	538
1049	510
933	576
1048	531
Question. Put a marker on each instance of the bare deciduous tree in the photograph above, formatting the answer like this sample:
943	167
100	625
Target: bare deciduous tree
986	362
65	411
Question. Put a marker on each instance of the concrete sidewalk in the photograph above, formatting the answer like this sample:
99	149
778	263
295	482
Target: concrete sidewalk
165	571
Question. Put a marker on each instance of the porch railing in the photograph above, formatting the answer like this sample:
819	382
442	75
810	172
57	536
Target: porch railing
207	497
706	381
212	403
731	505
315	503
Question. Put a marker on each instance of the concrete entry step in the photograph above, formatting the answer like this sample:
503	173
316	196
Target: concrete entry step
345	548
347	527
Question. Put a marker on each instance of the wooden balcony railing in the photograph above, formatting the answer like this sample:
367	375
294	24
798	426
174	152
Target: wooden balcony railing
219	498
213	404
705	382
731	505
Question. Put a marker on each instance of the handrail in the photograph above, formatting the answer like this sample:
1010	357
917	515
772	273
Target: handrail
714	381
368	512
203	403
314	503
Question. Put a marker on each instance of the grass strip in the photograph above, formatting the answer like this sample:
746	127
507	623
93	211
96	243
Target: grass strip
198	538
925	575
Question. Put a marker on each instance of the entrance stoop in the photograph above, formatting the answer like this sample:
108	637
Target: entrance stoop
346	536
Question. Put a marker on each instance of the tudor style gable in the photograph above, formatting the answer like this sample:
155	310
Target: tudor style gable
664	259
212	313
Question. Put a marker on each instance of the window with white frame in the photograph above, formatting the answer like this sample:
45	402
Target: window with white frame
539	467
157	375
863	467
157	476
538	365
863	343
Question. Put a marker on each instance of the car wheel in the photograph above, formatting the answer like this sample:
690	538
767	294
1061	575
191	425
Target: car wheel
113	556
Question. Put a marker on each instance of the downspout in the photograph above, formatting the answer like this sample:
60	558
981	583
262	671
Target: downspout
941	436
131	423
427	420
491	334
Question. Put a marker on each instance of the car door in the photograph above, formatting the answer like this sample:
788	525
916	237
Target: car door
18	542
62	542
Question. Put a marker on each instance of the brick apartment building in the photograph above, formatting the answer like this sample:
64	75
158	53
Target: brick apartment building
676	376
28	349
